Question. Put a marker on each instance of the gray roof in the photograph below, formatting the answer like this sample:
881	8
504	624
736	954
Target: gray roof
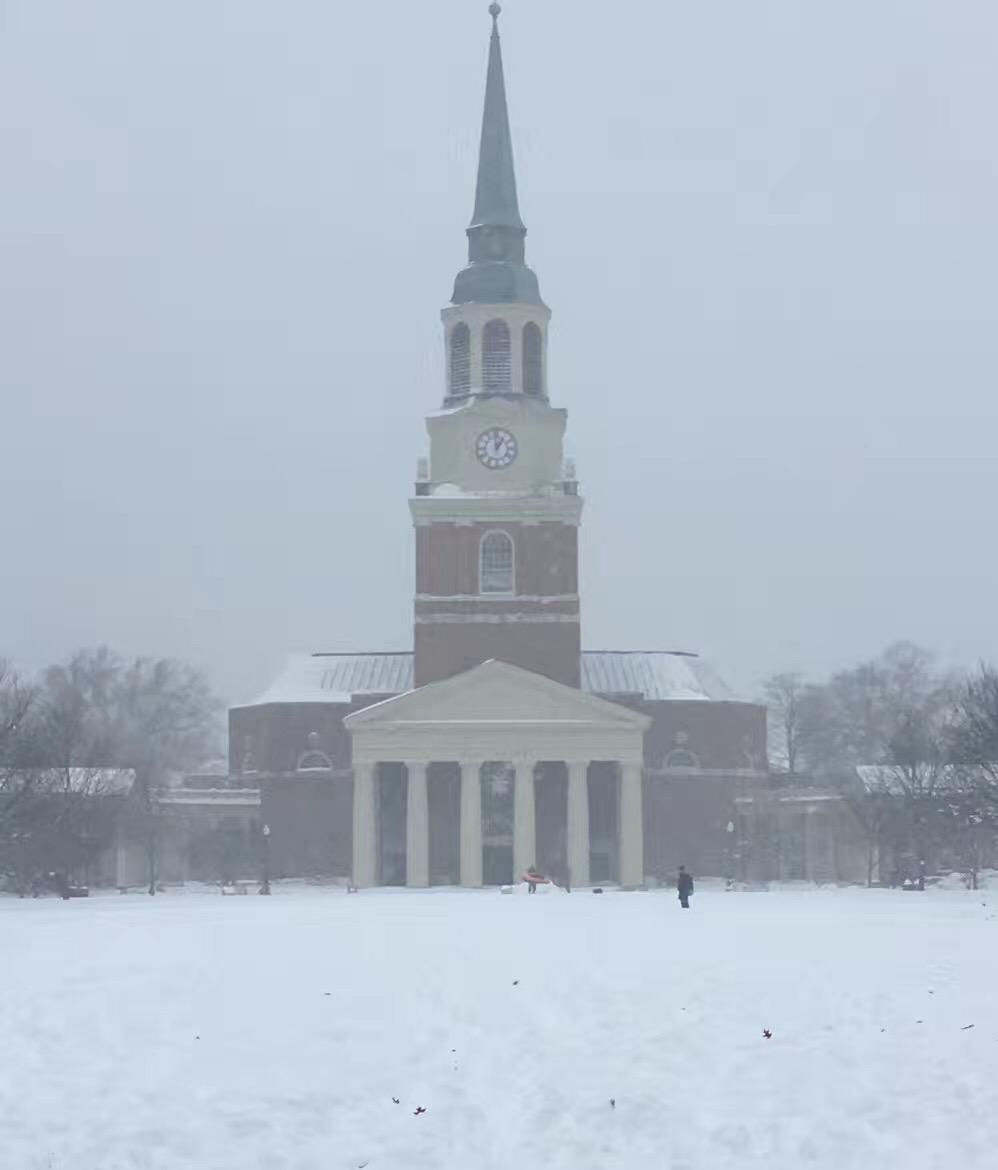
496	204
654	675
339	678
497	272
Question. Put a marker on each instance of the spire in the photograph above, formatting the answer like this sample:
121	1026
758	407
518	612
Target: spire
497	272
495	198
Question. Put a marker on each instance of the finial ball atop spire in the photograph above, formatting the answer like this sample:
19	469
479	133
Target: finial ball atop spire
495	11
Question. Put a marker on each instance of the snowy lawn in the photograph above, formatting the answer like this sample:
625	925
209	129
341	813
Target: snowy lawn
208	1033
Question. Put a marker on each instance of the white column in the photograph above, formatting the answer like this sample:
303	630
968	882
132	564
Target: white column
417	828
632	844
524	818
365	868
477	374
578	823
516	355
471	825
122	870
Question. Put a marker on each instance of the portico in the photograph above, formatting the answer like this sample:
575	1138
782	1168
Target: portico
517	762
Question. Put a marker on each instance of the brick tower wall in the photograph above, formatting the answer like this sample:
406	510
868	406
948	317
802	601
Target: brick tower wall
536	628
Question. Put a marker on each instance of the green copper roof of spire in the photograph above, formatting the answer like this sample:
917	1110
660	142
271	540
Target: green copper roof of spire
497	272
495	197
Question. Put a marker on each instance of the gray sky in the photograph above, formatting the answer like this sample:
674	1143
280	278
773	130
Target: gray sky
768	232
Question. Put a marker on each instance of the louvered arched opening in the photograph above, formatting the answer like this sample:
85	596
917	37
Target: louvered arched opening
496	360
533	360
460	359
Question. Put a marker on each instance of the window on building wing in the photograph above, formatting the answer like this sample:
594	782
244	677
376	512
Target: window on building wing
460	359
681	758
314	762
496	358
496	572
533	360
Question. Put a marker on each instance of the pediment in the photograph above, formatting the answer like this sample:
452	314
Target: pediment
498	694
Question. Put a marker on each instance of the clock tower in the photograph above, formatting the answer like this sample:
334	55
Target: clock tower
496	506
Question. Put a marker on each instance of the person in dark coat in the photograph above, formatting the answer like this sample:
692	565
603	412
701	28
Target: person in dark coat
684	885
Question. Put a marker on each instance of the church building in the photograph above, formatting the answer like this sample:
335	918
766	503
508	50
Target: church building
496	742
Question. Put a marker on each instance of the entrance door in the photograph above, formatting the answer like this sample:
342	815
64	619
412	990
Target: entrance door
604	822
393	787
497	823
444	795
551	808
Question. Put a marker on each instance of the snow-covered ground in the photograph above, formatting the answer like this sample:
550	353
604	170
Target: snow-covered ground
210	1033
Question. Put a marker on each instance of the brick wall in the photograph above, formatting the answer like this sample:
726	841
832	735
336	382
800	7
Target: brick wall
546	558
311	825
550	649
457	627
721	735
277	734
685	820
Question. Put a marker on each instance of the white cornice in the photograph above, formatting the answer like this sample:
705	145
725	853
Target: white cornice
480	597
496	619
454	509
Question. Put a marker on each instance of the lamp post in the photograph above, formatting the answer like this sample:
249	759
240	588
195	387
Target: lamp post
730	831
265	884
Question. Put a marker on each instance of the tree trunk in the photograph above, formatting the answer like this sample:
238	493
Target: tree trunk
151	857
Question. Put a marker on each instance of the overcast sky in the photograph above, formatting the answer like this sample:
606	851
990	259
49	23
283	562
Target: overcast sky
768	232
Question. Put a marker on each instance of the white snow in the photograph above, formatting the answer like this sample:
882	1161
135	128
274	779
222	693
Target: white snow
657	675
211	1033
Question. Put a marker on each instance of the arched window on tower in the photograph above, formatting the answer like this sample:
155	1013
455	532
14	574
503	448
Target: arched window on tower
533	360
496	572
460	359
496	359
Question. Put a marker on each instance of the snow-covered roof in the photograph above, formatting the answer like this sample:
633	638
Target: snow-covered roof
214	797
655	675
339	678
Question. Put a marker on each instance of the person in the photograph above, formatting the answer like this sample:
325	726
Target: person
685	887
534	877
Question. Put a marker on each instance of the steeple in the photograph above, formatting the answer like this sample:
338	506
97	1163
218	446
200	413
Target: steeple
496	238
495	197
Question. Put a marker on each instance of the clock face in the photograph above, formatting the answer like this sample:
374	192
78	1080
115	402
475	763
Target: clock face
496	448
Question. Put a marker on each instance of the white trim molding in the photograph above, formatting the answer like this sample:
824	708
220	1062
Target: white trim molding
550	599
495	619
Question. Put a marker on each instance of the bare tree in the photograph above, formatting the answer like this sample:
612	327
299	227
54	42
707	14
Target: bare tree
853	718
61	743
785	697
155	716
975	734
870	801
17	741
920	776
972	803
